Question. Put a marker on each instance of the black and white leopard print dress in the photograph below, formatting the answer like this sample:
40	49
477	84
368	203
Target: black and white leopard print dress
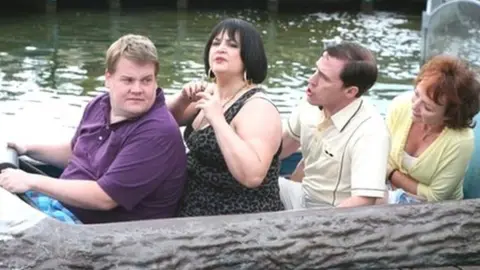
211	189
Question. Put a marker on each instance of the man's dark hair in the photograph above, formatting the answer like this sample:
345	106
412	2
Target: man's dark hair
360	67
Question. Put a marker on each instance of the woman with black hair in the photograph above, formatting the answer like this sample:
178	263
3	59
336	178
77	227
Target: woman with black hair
233	131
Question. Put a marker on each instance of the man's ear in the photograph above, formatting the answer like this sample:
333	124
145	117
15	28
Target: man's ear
107	78
351	91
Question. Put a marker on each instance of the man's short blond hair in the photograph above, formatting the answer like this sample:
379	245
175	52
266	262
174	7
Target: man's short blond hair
136	48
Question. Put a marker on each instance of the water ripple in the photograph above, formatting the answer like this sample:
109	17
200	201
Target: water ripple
55	64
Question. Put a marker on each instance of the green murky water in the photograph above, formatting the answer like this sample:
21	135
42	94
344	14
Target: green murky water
51	65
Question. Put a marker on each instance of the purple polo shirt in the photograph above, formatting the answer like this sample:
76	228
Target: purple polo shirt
140	163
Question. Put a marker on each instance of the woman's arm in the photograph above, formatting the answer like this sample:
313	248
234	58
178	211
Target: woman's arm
249	146
403	181
450	171
181	108
182	105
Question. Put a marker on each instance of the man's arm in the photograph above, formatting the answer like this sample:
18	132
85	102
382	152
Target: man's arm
86	194
81	193
289	144
355	201
369	158
291	133
57	155
140	167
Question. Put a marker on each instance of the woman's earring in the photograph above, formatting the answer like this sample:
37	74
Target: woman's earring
249	82
210	73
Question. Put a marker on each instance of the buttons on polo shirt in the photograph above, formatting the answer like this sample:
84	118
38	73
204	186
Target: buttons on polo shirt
100	138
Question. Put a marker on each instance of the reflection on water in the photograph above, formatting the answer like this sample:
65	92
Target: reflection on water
50	66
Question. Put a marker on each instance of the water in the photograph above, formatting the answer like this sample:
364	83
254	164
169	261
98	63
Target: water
52	65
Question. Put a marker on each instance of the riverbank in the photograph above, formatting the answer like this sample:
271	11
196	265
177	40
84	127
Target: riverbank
49	6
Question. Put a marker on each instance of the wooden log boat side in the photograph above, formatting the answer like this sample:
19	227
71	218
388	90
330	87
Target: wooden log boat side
440	235
379	237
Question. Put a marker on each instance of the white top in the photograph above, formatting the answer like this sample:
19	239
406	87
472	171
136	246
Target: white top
348	158
408	161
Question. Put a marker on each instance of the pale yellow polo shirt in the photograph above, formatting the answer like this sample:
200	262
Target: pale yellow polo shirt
348	158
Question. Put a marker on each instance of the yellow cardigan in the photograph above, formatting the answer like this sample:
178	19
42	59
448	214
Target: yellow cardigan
440	169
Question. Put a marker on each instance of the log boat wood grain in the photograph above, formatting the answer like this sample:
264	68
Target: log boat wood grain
379	237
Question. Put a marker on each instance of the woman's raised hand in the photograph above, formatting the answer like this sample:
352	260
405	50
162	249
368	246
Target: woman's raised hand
191	90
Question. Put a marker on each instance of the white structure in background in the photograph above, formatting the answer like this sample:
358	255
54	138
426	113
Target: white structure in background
452	27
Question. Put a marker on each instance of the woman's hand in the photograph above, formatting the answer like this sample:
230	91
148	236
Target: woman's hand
191	90
210	104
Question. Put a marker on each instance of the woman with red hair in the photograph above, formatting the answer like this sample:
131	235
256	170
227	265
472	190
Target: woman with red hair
431	133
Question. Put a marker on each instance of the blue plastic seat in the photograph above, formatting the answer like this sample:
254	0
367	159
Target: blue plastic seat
471	185
289	164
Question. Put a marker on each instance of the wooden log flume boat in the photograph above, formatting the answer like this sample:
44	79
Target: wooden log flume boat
374	237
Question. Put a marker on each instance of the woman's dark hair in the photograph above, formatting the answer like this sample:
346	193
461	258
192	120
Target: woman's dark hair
252	51
449	81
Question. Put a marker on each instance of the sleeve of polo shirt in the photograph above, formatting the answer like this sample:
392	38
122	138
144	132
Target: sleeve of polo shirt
369	162
293	125
145	162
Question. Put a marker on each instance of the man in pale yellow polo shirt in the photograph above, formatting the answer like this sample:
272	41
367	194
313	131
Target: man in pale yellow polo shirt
344	140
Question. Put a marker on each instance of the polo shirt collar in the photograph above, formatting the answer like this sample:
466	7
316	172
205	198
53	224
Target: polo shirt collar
345	115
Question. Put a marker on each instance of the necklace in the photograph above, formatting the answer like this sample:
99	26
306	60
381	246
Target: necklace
200	125
234	95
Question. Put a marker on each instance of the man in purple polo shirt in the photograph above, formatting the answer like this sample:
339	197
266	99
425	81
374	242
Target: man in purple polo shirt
127	159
